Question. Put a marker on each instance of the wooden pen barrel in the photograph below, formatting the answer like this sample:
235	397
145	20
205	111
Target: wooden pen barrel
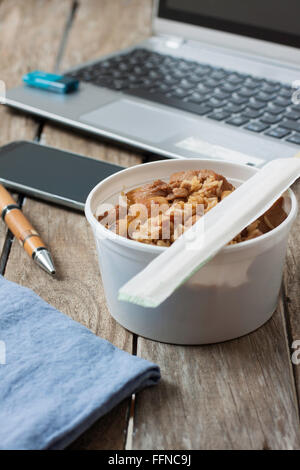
18	224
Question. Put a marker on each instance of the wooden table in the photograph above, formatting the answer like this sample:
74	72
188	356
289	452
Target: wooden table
243	394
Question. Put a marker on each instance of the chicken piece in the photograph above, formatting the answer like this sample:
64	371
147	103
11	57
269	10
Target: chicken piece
177	178
185	177
275	215
225	194
149	191
178	193
110	217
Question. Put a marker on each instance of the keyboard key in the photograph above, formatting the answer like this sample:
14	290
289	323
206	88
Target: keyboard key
273	109
197	97
280	101
152	74
256	126
202	89
252	113
162	87
199	72
291	125
134	80
138	70
195	79
251	83
147	83
179	92
123	67
219	115
148	66
206	67
179	74
183	65
247	92
270	89
255	104
236	99
262	96
215	103
235	78
271	118
237	121
210	83
229	87
277	132
273	83
292	115
169	61
218	74
234	108
221	95
106	64
285	92
186	84
295	139
170	80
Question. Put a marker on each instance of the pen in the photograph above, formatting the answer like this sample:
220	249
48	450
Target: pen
24	232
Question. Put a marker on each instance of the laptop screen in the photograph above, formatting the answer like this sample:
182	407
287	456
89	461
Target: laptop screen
271	20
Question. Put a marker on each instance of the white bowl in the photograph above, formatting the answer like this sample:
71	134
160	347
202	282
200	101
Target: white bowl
232	295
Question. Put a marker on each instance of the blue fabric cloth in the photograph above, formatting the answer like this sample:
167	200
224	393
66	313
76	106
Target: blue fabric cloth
59	377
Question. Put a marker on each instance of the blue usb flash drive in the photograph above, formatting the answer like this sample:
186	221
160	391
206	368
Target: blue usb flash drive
51	82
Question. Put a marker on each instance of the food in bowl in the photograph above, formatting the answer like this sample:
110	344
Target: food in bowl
159	212
233	294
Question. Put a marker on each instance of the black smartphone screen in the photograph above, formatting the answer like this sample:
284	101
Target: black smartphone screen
51	174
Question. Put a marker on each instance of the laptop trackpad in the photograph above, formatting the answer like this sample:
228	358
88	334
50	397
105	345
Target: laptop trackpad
134	119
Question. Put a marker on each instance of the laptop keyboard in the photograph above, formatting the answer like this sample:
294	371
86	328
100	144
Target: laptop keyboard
239	100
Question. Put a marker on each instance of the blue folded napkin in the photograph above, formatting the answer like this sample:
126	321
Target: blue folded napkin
56	377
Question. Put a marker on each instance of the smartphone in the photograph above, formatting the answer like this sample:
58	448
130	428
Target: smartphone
51	174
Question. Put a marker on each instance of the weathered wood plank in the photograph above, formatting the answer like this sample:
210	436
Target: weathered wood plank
234	395
108	27
77	290
30	33
292	290
27	37
104	27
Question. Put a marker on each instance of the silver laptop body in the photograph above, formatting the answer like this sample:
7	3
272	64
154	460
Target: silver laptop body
195	32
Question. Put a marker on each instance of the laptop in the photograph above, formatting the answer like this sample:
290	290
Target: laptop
216	79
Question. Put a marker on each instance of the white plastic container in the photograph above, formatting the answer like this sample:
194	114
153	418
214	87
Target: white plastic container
232	295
